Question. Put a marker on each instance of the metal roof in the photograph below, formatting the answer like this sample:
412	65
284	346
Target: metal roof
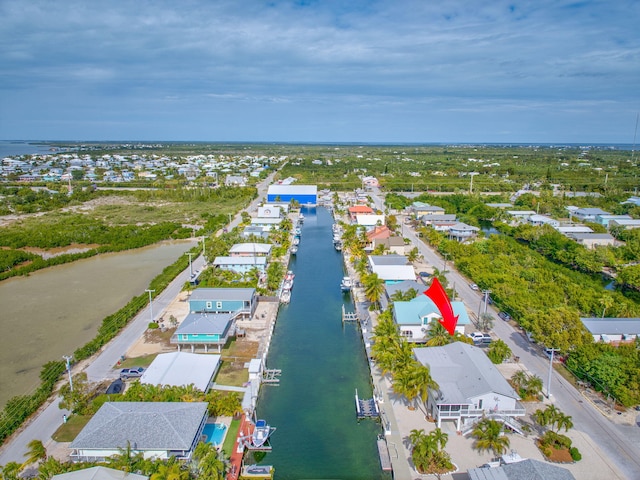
143	425
528	469
99	473
240	261
251	248
205	324
222	294
463	372
612	326
181	369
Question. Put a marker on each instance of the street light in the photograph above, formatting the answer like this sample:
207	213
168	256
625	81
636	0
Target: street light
190	264
550	370
150	303
68	359
203	246
446	255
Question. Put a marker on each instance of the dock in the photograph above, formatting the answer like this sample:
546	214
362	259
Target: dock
349	316
270	376
383	452
366	408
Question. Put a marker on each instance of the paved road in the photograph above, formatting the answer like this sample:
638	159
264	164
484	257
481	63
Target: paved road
620	443
45	423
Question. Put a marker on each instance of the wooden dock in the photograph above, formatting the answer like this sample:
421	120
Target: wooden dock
383	452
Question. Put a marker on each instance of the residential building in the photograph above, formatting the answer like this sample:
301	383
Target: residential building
99	473
593	240
470	387
520	215
267	224
182	369
391	268
463	232
235	181
240	302
240	264
612	330
392	245
359	210
539	220
431	219
255	231
419	209
588	214
204	329
525	469
154	429
625	224
270	211
250	250
605	219
370	220
572	229
415	316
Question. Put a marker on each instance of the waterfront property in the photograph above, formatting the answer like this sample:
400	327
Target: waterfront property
525	468
241	264
154	429
391	268
415	316
266	224
206	329
181	369
462	232
420	209
250	250
470	387
99	473
593	240
240	302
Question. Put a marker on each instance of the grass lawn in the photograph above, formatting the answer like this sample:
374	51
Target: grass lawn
230	438
143	361
232	373
68	431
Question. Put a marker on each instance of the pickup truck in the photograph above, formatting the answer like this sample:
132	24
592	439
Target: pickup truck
127	373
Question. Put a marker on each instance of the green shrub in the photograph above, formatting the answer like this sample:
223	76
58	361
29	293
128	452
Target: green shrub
575	454
153	325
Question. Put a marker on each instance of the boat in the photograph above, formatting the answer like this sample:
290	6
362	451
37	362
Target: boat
296	241
290	275
301	218
338	246
261	433
285	296
287	285
346	284
298	231
294	250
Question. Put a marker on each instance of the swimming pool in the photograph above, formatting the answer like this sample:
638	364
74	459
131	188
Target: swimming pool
214	433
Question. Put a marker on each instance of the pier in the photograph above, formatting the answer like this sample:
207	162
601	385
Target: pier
366	408
270	376
349	316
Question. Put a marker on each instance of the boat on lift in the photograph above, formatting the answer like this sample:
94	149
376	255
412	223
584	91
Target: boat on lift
346	284
261	433
285	296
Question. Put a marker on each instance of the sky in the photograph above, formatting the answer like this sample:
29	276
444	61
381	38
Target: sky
392	71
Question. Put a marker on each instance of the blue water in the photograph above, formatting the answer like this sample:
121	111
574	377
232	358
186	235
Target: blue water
215	433
322	363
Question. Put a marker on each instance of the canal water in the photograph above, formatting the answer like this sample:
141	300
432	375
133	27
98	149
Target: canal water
53	311
323	362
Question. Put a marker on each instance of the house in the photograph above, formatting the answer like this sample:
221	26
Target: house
470	387
206	329
270	211
99	473
625	224
391	244
250	250
612	330
267	224
528	469
253	231
462	232
235	181
182	369
588	214
419	209
571	229
429	220
520	215
359	210
369	181
593	240
605	219
392	288
240	264
632	201
443	225
303	194
154	429
415	316
370	220
391	268
379	232
539	220
239	302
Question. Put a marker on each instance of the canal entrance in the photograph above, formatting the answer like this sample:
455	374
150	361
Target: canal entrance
323	362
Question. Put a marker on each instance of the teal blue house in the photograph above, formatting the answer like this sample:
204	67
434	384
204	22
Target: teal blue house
413	317
238	302
208	330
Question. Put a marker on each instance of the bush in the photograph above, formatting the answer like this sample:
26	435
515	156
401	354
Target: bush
153	325
575	454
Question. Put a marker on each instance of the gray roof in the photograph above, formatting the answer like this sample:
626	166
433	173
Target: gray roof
591	211
99	473
612	326
463	372
591	236
388	260
205	324
439	218
222	294
525	470
143	425
404	286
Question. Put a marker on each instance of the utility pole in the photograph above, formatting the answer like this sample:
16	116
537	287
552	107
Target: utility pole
550	370
486	299
203	246
445	255
68	359
190	264
150	303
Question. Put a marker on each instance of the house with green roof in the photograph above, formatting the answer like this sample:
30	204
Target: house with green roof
413	317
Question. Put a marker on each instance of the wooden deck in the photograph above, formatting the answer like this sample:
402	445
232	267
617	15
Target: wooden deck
383	452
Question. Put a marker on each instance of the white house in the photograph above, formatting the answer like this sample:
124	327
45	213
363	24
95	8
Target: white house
369	220
181	369
593	240
539	220
391	268
155	429
241	264
250	250
612	330
588	214
415	316
270	211
470	387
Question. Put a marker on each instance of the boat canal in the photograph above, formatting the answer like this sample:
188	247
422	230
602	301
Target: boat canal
323	362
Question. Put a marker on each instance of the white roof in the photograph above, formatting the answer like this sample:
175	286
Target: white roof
264	248
369	220
99	473
575	229
395	272
181	369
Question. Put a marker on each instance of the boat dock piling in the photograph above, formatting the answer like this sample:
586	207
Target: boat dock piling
270	376
349	316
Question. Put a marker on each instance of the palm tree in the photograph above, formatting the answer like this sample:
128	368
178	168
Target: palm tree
437	335
519	380
170	471
373	287
489	436
413	254
485	322
533	386
498	351
36	452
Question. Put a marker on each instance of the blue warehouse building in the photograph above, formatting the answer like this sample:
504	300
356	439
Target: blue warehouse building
303	194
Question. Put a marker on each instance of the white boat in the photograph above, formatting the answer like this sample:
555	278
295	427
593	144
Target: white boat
261	433
301	218
296	241
285	296
290	275
294	250
298	231
346	284
338	246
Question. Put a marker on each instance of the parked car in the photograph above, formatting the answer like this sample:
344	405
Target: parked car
479	337
127	373
505	316
116	387
473	286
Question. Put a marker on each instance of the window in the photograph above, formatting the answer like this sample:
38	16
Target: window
480	404
406	334
218	305
209	305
